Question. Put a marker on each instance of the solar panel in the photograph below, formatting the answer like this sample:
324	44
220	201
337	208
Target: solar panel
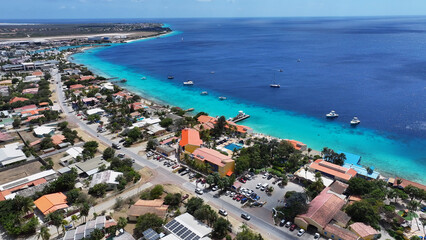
196	238
176	227
190	236
170	223
185	234
181	231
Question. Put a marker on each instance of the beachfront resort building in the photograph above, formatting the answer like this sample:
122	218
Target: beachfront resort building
354	162
332	170
218	162
190	140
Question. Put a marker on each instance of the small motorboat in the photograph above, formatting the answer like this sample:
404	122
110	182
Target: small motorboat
298	60
222	98
355	121
170	77
143	78
188	83
274	85
204	93
332	114
212	72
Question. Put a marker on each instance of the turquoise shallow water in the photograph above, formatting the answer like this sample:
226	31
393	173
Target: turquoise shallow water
390	155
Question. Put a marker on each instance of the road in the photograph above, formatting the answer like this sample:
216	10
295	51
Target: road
262	224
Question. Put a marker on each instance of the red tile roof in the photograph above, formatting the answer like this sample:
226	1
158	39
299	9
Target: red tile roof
58	139
406	182
85	78
340	232
27	107
37	73
76	86
190	136
333	169
11	190
5	137
362	230
324	207
211	156
18	99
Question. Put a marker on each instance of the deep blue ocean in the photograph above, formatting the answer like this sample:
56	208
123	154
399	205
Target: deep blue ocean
372	68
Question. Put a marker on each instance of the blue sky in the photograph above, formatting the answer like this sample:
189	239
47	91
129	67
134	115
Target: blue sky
59	9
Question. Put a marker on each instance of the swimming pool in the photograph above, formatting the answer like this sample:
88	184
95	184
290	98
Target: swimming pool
233	146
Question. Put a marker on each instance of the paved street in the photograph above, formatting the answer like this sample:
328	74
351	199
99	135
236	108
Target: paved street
261	222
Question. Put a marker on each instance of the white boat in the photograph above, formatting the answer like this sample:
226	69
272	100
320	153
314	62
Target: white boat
222	98
143	78
332	114
274	84
204	93
355	121
212	72
241	116
188	83
170	77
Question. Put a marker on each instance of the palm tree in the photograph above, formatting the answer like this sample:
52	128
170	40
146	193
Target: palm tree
64	224
392	194
306	168
74	218
413	205
398	181
44	233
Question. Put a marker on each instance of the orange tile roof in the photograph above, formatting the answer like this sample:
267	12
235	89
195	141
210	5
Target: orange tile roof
208	122
76	86
406	182
32	106
190	136
34	116
296	144
205	119
84	78
43	104
363	230
333	169
37	73
211	156
324	207
34	112
11	190
150	203
35	143
58	139
340	232
51	202
18	99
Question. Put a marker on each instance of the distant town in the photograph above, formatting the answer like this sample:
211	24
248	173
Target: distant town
81	157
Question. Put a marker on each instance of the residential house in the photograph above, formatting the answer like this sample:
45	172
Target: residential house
6	137
58	139
156	130
6	83
30	91
166	150
25	108
32	79
76	87
220	163
84	231
18	99
108	177
11	153
85	78
4	91
142	207
190	140
51	202
44	131
98	111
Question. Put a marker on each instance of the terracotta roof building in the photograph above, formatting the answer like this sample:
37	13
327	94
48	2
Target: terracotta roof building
51	202
18	99
220	163
58	139
142	207
332	170
364	231
406	183
76	86
190	140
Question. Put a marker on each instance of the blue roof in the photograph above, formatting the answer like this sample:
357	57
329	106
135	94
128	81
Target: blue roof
354	161
351	158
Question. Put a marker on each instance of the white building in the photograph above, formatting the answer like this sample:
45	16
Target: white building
43	131
11	153
109	177
108	86
186	227
74	151
95	111
32	79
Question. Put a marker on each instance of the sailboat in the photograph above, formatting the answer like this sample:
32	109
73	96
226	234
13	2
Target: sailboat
274	84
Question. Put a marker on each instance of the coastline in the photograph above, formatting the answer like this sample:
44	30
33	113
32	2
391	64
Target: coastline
147	97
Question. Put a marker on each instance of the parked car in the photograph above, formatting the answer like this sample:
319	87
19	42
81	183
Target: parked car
265	175
243	180
288	224
116	146
223	212
316	236
244	200
269	177
214	188
121	155
258	185
292	227
301	232
282	222
245	216
199	191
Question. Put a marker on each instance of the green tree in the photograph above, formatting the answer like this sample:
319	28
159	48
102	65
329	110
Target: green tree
56	219
62	125
122	222
156	191
44	233
108	153
173	199
146	221
193	204
97	234
98	190
16	123
151	145
134	134
247	234
297	204
412	191
84	210
363	211
90	148
166	122
220	228
46	143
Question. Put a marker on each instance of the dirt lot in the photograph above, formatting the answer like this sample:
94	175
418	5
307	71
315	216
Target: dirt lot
56	158
86	138
29	136
20	172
